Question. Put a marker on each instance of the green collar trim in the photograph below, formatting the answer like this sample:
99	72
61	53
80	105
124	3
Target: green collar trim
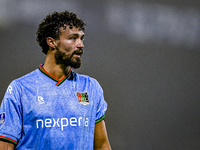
59	81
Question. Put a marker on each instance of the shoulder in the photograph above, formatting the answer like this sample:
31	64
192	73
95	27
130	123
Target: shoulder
15	88
86	79
27	78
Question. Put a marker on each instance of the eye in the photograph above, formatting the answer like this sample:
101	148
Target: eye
73	38
82	38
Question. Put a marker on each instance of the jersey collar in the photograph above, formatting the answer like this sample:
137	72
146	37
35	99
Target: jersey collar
59	81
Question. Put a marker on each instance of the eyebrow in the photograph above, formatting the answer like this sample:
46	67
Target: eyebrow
76	34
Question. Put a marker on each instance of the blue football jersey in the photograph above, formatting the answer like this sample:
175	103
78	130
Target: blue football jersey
41	112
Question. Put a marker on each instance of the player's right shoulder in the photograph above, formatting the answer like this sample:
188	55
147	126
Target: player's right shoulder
23	80
17	86
27	77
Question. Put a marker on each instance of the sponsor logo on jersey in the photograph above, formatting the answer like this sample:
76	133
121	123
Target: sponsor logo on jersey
2	118
40	100
62	122
9	90
83	98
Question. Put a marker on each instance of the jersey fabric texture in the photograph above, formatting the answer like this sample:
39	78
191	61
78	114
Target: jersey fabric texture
40	112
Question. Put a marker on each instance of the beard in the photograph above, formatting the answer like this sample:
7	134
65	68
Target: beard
68	60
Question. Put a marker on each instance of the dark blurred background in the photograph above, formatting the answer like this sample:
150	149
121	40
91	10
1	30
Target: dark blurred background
145	54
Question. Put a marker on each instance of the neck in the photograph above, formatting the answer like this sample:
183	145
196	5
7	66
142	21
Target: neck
57	70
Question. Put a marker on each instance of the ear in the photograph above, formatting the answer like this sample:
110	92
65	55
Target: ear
51	42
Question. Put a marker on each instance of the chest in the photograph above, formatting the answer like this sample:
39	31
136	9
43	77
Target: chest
53	102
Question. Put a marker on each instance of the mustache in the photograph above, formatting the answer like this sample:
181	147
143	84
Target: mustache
78	52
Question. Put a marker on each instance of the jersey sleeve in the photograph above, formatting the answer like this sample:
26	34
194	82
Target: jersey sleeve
101	105
11	115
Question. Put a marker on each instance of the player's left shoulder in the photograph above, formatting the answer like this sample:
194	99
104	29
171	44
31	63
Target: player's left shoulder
86	78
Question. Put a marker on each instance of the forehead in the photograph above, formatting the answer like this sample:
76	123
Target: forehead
65	31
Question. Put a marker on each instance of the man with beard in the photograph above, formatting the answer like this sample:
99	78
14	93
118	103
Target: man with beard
53	107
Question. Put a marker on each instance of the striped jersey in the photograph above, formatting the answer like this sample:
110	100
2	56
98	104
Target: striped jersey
41	112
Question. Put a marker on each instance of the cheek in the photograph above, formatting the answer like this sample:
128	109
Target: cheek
64	49
68	47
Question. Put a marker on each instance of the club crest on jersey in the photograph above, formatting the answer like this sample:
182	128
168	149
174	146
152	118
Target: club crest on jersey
2	118
83	98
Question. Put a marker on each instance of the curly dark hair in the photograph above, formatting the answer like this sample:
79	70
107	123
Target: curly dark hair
50	26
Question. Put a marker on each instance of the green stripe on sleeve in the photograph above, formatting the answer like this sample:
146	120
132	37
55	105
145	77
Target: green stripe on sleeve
100	119
8	139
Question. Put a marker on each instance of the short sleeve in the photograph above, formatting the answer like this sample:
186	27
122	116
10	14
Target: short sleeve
101	105
11	115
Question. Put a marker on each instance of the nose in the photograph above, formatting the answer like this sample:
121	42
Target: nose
80	43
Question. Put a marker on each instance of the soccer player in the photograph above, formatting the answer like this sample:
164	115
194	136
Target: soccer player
53	107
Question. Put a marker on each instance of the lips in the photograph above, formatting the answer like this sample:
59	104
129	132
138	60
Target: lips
78	53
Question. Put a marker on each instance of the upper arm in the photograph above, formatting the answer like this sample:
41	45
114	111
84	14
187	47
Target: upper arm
101	141
6	146
11	115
